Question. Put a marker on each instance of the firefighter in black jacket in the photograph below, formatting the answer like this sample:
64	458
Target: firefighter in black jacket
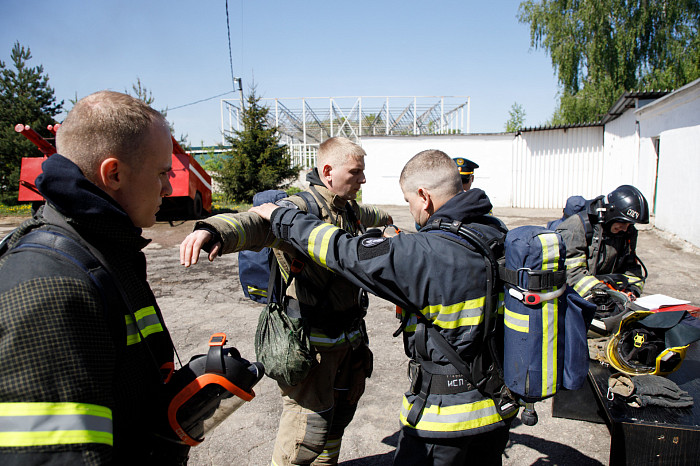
81	375
602	240
437	281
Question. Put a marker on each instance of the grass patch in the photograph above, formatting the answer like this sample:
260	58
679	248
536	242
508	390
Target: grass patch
19	210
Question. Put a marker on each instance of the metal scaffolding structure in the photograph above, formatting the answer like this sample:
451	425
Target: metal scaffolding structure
304	122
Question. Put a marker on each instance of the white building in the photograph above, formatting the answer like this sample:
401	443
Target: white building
648	139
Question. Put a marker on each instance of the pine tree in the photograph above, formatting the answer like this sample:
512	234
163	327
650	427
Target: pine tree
26	98
257	161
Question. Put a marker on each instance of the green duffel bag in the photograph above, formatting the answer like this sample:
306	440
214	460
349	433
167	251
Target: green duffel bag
282	345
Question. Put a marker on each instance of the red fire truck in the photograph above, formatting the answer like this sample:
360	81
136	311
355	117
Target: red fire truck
191	197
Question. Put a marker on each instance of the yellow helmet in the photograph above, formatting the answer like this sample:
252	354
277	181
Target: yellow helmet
647	347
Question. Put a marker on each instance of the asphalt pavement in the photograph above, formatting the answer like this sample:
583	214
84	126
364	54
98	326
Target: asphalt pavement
207	298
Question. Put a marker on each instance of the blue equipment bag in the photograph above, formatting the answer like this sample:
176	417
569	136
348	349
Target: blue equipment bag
574	205
254	266
545	320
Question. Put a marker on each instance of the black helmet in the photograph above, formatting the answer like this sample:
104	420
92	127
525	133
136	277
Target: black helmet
626	204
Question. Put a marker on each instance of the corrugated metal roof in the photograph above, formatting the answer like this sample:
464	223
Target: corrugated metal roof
629	100
546	128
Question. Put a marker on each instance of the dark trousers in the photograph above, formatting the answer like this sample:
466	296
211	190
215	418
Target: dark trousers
481	449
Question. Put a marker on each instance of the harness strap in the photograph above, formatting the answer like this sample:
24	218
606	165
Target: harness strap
536	279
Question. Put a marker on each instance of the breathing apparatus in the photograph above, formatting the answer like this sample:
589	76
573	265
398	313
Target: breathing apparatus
207	390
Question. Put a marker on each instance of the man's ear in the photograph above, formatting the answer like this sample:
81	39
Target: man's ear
326	171
326	177
426	200
109	174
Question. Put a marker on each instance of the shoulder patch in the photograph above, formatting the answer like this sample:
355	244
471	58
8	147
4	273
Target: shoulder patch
372	242
373	247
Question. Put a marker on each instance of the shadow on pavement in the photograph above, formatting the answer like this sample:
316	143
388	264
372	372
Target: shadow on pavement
555	452
376	460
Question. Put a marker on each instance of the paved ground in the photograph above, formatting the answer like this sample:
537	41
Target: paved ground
207	298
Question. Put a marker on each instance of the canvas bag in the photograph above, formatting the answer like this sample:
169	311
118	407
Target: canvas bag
282	342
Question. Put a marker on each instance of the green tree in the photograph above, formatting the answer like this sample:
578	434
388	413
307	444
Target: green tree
26	98
257	161
602	48
516	118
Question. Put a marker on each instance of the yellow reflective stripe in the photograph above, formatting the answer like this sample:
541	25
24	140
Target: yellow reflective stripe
453	418
319	239
257	291
318	338
636	281
331	449
585	284
237	225
513	319
576	261
550	317
456	315
35	424
146	320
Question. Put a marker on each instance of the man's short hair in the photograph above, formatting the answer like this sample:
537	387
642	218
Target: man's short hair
434	170
336	151
106	124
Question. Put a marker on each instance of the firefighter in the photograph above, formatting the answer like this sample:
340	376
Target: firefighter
318	409
466	170
601	244
83	369
439	284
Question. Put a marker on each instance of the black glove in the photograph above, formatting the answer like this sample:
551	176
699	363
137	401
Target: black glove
660	391
606	305
649	390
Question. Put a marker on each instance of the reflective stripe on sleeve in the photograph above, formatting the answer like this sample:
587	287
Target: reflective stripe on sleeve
576	261
466	313
636	281
237	225
584	285
147	321
33	424
319	239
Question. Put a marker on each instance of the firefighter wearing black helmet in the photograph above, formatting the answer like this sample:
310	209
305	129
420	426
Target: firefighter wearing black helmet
601	243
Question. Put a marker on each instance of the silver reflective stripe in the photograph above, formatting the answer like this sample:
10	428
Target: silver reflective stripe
54	422
32	424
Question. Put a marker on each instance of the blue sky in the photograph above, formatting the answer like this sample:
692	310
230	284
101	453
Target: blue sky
179	50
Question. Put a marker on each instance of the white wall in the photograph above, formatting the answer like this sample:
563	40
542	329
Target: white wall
551	165
621	152
675	121
387	155
678	189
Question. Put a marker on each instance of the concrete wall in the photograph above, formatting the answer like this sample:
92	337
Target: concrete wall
675	121
387	155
